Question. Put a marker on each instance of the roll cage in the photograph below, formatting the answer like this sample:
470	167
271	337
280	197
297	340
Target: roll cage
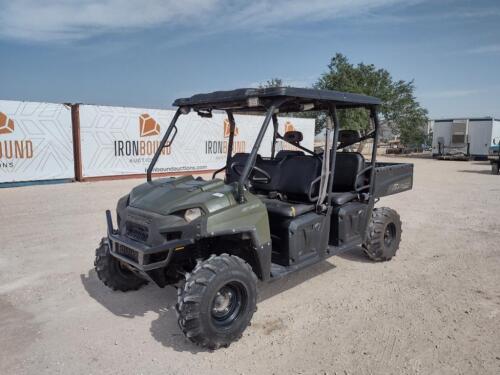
271	101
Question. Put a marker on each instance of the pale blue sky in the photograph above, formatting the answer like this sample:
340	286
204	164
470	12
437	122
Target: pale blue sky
146	53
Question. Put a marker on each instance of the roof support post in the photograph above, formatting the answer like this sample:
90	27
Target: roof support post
253	154
376	124
371	198
232	127
275	130
334	118
162	144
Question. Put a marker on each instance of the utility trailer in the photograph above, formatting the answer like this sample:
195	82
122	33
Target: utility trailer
263	219
494	150
463	139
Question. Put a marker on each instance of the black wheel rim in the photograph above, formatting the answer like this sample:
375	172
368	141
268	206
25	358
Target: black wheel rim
228	304
389	234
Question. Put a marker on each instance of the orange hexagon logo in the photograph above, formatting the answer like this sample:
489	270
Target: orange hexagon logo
227	129
6	124
148	126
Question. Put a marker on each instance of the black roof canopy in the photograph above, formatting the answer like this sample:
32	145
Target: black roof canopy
257	100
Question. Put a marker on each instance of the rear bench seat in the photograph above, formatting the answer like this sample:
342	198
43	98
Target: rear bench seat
298	172
346	177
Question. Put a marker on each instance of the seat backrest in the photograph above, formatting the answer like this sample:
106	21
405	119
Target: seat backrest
347	167
296	175
285	153
273	168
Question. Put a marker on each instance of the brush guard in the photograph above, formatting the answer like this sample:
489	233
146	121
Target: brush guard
139	255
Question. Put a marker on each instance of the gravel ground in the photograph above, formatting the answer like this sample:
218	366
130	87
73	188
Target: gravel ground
433	309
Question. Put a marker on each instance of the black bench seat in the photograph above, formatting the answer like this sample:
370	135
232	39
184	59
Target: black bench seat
286	209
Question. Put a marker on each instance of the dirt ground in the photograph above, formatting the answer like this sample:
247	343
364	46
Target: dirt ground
433	309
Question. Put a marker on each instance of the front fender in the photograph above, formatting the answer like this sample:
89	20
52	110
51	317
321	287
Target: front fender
248	218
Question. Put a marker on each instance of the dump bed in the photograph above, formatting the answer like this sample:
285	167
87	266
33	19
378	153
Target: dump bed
392	178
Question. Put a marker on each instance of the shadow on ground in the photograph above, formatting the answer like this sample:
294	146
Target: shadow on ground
423	155
482	171
356	255
137	303
162	301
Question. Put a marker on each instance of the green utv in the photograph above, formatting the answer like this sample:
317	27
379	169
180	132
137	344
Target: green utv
266	218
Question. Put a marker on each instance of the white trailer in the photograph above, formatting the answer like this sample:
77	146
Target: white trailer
464	138
494	152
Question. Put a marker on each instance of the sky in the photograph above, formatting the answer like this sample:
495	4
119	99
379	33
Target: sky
146	53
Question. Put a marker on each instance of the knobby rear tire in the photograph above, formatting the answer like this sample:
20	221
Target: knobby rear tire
384	234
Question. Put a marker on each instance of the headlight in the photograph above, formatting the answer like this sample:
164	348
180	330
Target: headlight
192	214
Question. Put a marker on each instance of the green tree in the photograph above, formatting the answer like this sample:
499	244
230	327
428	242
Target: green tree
400	109
273	82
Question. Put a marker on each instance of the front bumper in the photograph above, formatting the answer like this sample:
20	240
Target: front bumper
139	255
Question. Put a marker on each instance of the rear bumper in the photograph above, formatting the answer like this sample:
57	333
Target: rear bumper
139	255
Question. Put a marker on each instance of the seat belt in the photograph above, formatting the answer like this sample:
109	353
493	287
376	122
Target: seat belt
325	167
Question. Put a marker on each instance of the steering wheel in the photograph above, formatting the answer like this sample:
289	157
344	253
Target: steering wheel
264	178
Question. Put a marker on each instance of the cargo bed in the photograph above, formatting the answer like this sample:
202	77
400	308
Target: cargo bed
392	178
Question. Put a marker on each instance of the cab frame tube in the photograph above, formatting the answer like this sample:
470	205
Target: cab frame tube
253	154
162	144
376	125
335	120
232	127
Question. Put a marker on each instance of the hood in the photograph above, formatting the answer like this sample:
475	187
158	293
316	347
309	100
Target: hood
169	195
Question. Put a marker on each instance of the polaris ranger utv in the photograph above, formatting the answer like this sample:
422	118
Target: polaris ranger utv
264	219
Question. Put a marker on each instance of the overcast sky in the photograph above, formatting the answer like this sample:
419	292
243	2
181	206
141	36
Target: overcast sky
146	53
